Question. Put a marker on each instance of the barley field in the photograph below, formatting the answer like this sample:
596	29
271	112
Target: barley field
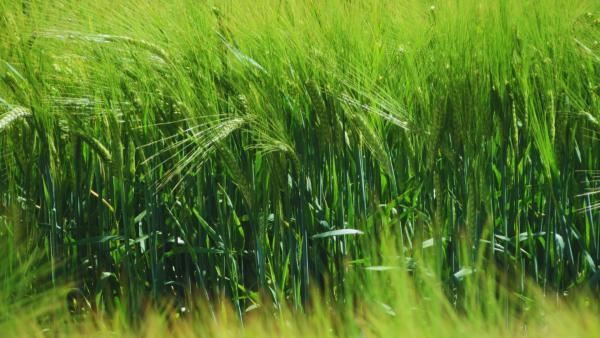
299	168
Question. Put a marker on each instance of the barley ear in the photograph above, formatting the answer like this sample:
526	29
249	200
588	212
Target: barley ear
13	116
95	145
237	174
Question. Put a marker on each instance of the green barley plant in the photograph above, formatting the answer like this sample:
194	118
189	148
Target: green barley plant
235	164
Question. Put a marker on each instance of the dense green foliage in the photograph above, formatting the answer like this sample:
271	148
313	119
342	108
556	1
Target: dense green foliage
187	150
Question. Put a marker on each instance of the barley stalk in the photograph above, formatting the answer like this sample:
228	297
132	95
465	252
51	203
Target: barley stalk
471	206
552	118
